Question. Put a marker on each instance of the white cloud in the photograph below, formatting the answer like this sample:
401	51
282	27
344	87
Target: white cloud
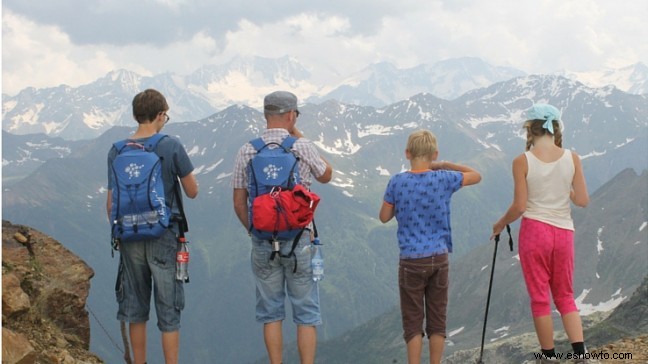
333	40
43	56
313	39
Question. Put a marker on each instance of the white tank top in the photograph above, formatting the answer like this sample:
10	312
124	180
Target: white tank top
548	188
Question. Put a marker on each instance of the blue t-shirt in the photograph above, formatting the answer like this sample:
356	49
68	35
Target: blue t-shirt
175	164
422	208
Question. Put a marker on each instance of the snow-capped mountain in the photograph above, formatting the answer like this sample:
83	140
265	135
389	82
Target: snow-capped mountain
23	154
65	196
490	117
383	84
87	111
631	79
245	81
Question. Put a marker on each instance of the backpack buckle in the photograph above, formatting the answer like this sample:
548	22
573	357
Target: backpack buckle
274	192
275	248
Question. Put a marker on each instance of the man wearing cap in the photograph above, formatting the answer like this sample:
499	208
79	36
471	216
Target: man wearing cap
275	278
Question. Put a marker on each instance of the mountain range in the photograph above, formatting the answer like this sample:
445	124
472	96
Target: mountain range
86	111
64	196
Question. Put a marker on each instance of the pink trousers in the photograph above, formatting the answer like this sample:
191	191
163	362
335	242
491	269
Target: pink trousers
547	259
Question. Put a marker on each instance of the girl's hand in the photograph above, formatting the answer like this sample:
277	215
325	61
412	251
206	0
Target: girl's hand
497	229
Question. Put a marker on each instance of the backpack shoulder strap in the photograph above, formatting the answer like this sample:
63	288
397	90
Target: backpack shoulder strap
150	144
153	141
288	142
120	145
258	144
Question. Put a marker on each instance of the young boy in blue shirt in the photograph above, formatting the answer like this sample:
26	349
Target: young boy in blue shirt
420	201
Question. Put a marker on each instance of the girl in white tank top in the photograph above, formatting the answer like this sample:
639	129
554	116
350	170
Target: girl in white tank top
546	179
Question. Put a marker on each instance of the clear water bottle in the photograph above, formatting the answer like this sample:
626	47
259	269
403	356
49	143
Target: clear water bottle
317	261
182	261
141	219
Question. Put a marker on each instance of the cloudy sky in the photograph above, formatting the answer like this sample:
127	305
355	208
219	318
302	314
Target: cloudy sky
74	42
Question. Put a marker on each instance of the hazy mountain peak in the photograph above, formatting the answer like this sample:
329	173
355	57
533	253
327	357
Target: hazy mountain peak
84	112
632	79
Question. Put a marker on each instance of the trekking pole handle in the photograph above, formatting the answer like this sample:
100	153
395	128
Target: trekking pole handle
508	231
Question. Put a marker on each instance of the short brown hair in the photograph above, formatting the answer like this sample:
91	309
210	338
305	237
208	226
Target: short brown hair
148	104
422	144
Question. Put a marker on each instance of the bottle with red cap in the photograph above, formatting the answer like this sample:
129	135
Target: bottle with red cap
182	261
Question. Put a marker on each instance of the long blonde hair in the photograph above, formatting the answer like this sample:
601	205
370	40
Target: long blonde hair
534	129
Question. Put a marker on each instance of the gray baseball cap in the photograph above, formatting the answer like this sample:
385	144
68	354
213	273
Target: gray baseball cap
279	102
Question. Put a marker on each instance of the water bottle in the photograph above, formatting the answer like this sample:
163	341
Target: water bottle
142	218
317	261
182	261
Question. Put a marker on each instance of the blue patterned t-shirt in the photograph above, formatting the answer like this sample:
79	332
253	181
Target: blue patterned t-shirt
421	203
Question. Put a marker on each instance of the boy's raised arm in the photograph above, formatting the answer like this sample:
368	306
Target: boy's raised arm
470	176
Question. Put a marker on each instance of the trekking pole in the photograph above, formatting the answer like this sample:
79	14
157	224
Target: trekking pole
127	357
490	286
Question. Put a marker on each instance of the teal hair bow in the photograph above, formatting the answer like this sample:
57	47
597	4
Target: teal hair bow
544	112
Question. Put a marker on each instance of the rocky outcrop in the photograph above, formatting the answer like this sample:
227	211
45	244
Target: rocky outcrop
44	292
618	338
624	351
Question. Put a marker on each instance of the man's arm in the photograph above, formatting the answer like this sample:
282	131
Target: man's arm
109	203
328	173
240	197
190	185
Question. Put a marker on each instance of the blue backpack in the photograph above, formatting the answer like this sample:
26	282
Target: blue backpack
272	168
139	209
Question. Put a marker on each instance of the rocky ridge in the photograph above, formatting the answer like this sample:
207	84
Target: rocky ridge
637	346
602	332
44	292
631	350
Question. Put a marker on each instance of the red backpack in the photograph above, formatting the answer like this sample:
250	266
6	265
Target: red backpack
282	209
